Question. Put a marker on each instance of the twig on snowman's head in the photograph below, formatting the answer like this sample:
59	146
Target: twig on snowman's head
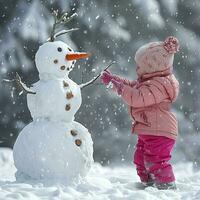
62	33
8	80
64	18
96	77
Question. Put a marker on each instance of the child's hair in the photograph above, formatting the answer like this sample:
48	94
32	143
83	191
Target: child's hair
157	56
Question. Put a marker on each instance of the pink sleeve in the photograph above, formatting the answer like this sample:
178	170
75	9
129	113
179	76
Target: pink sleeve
147	94
124	81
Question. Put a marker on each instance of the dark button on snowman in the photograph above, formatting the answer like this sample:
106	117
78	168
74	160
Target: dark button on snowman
54	146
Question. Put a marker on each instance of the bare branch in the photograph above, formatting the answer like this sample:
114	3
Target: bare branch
20	84
55	15
64	18
23	85
9	81
82	75
61	33
96	77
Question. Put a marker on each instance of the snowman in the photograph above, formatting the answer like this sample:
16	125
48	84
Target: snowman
53	145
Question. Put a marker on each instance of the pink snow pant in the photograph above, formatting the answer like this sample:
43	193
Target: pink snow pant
151	158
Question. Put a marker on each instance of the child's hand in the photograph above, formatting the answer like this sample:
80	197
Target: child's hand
118	86
106	77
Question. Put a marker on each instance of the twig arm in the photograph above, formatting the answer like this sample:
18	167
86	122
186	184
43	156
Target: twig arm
22	85
83	85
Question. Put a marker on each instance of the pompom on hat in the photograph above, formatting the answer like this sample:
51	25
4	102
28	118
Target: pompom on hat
171	44
156	56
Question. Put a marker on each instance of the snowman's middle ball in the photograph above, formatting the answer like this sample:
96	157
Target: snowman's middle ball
55	99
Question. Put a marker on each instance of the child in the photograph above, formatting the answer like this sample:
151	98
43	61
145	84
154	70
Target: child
150	99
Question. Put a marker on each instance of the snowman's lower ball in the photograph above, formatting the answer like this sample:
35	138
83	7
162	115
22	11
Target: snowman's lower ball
53	150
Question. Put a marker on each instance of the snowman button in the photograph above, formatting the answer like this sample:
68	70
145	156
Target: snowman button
74	132
78	142
67	107
65	84
62	67
69	95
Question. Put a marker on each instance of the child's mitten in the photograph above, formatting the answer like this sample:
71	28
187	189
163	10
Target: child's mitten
106	77
118	86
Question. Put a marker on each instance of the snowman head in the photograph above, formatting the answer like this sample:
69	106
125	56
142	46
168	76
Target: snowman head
56	59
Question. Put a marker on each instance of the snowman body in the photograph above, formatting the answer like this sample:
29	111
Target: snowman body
63	106
54	146
50	150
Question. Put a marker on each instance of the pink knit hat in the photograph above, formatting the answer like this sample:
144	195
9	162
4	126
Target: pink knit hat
156	56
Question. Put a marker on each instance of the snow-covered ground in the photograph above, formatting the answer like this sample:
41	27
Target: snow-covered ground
102	183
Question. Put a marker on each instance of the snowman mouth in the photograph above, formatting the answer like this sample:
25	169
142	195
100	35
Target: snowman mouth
63	67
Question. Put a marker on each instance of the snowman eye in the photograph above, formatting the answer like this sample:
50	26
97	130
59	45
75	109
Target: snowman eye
59	49
69	49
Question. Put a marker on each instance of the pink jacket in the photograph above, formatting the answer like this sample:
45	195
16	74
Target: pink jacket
149	99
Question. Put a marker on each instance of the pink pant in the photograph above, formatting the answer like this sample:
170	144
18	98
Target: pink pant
151	158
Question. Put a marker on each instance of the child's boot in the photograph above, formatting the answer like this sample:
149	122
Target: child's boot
143	185
166	186
149	183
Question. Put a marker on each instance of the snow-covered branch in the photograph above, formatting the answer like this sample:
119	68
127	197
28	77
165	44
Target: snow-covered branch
96	77
62	33
64	18
22	85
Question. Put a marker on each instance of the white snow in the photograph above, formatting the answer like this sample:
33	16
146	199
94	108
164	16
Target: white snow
102	183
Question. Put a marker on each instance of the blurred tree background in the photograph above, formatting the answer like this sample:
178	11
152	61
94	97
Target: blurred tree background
110	30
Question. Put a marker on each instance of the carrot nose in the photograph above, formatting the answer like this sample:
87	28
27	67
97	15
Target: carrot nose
76	56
